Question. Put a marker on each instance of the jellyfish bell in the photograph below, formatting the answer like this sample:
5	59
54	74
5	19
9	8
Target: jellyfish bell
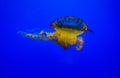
68	28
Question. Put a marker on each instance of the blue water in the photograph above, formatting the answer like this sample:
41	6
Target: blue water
26	58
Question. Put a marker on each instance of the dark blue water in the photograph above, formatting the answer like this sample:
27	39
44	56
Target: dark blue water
26	58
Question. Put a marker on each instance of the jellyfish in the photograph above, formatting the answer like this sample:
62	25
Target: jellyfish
68	32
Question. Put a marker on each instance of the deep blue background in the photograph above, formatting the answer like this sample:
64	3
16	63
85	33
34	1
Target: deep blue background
26	58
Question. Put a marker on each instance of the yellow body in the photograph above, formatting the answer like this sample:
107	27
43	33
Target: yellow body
67	35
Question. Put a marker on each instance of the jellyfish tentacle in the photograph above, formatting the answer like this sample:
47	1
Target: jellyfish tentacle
79	43
41	36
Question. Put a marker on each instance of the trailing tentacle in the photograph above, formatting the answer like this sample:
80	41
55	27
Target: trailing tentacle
79	44
41	36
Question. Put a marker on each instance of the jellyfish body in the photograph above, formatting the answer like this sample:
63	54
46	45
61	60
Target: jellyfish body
67	30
